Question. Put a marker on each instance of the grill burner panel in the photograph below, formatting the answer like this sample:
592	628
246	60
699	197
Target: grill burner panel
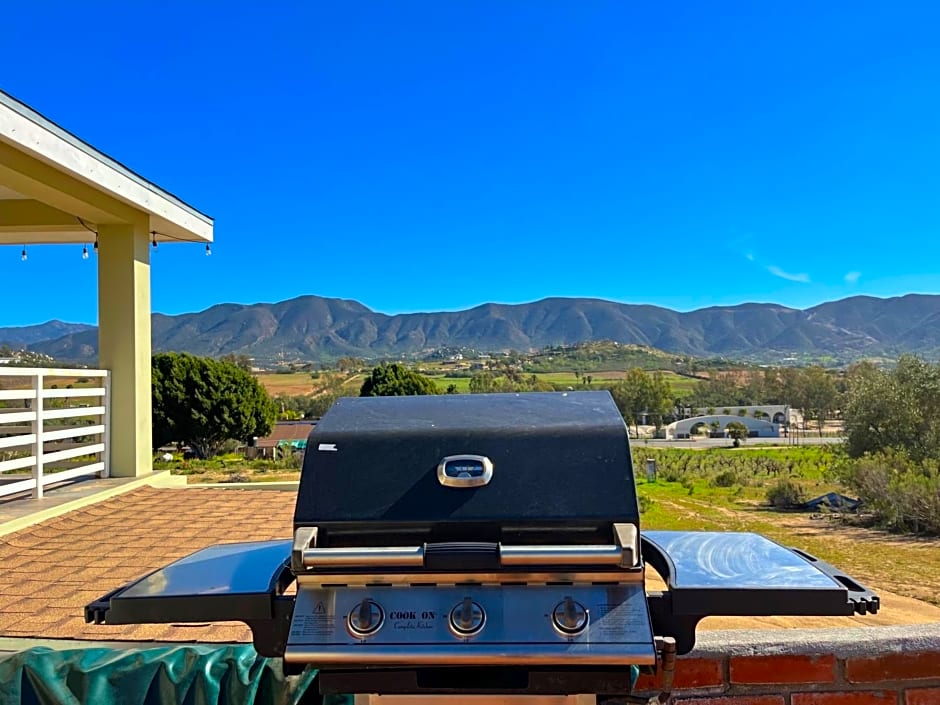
518	626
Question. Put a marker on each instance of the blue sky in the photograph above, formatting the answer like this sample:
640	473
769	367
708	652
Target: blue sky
423	156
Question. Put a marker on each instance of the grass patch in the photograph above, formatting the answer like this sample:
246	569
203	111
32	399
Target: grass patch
442	383
692	501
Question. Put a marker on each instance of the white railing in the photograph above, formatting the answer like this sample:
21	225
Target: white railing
54	425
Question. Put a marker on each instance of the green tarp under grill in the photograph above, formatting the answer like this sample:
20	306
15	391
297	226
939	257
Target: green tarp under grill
170	675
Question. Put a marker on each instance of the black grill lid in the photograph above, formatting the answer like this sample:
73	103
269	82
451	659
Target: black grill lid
558	458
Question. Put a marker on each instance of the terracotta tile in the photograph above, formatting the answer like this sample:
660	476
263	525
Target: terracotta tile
34	552
22	633
26	541
30	569
63	564
65	628
79	599
228	635
147	632
18	605
44	618
10	619
43	590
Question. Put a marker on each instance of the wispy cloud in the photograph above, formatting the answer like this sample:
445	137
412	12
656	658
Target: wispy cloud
852	277
777	272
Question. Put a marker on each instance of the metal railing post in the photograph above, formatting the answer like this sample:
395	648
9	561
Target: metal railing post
106	420
37	428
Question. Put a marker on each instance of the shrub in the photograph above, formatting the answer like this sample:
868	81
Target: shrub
785	495
900	494
724	479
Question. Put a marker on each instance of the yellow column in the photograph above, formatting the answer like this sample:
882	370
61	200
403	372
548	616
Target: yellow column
124	342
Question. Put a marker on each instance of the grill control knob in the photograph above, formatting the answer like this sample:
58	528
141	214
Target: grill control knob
365	618
467	618
569	617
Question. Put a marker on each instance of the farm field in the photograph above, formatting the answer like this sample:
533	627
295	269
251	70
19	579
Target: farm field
902	565
904	571
725	490
303	383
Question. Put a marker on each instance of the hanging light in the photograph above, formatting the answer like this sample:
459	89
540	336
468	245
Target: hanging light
84	251
153	242
208	250
23	255
96	243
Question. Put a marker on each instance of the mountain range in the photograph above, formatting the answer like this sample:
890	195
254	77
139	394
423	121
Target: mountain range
322	329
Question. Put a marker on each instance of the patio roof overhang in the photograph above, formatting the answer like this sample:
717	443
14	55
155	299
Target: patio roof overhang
55	188
51	182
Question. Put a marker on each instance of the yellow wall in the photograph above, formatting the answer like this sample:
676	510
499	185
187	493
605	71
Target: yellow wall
124	342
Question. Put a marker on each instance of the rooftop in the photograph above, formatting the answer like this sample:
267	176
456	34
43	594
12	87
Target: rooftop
53	185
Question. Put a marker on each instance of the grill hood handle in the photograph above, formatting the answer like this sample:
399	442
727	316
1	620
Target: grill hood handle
465	555
461	555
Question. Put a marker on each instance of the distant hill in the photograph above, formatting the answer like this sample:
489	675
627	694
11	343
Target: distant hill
21	336
316	328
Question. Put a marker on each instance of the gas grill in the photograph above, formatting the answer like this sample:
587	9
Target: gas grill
479	544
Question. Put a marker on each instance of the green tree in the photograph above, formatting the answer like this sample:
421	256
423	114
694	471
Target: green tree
396	380
482	383
897	409
350	364
315	406
819	395
660	402
737	431
204	402
718	389
643	394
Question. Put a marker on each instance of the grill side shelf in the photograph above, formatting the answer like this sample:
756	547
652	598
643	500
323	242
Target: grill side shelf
227	582
862	600
742	574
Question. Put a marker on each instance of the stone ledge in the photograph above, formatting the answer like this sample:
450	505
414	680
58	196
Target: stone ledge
841	643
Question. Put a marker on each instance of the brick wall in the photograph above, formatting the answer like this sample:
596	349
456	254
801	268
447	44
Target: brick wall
876	666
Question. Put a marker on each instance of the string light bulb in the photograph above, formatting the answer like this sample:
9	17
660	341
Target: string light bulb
84	251
96	243
23	255
208	250
153	242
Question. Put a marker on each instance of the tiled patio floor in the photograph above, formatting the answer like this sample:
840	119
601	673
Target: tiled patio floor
50	571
